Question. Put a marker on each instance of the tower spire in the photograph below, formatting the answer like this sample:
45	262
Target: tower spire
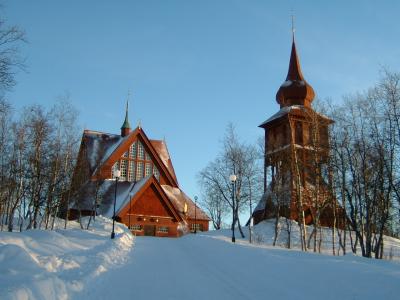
295	90
126	127
294	72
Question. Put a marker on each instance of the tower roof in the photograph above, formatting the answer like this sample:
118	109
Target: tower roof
295	90
126	124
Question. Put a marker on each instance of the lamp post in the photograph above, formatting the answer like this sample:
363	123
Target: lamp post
233	178
250	223
130	209
117	174
195	214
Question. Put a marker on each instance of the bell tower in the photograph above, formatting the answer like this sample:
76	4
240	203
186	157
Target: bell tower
296	152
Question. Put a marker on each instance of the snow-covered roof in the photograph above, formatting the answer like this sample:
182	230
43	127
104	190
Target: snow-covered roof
179	198
288	109
282	112
105	191
99	146
162	150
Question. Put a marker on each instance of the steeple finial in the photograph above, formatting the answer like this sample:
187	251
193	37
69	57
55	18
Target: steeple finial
126	127
293	28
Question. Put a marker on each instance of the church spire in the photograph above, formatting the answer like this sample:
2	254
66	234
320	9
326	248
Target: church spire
126	127
294	72
295	90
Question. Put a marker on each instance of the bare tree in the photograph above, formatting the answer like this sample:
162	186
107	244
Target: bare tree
41	152
11	37
214	203
236	158
365	160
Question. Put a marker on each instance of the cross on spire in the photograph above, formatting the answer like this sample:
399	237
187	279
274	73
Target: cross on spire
293	27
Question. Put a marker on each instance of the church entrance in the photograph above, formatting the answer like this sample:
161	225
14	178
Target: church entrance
149	230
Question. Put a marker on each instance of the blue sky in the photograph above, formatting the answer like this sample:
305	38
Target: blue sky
194	66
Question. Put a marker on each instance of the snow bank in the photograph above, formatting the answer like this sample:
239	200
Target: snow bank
263	234
40	264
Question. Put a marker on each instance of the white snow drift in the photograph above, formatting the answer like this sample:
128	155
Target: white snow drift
39	264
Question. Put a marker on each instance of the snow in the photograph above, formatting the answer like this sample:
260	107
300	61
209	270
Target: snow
76	264
106	195
264	234
99	146
40	264
209	266
283	111
293	82
287	83
286	110
123	195
179	198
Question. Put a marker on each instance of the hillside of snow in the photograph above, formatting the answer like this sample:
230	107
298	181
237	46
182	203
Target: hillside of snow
264	234
44	264
87	264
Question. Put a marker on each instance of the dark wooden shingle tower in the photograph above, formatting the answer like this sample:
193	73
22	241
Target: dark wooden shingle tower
296	153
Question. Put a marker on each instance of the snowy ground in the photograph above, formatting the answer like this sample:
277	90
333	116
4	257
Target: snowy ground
39	264
76	264
264	234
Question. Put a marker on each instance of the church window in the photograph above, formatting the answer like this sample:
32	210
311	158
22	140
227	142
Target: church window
148	169
132	150
156	173
299	133
140	151
114	168
309	135
123	169
324	136
163	229
136	227
139	172
147	156
131	171
196	226
285	137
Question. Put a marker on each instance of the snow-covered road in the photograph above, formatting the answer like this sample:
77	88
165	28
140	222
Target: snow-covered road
208	266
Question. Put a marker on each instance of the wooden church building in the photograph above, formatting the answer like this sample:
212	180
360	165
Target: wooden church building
296	153
147	194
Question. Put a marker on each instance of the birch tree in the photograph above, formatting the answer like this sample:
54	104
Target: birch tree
239	158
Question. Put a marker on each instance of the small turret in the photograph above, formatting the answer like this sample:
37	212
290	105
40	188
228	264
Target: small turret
126	127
